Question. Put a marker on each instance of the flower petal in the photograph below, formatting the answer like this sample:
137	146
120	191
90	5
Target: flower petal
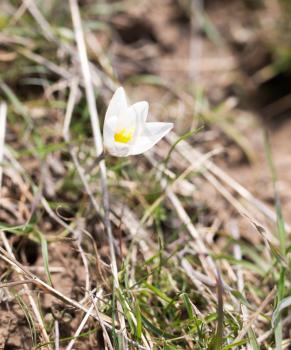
109	131
114	148
152	134
120	149
117	105
142	109
136	117
127	120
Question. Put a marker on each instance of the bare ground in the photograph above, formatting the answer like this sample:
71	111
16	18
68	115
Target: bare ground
158	36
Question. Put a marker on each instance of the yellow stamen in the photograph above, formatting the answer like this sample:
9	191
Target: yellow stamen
124	135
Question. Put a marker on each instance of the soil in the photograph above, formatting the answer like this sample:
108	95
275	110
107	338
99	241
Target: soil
167	42
230	66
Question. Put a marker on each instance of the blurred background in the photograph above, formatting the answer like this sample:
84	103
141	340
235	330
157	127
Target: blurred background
221	65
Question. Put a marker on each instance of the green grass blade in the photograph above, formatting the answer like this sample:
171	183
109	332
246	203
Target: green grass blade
284	304
155	330
188	306
44	252
217	341
235	345
253	340
138	321
159	293
282	239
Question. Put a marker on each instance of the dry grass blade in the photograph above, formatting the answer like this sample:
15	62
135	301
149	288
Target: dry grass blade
234	230
80	328
104	330
188	152
57	335
15	283
136	230
137	246
30	4
30	297
205	259
49	289
107	321
253	318
89	89
3	114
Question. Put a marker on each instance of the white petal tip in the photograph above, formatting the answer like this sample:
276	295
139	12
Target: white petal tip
120	93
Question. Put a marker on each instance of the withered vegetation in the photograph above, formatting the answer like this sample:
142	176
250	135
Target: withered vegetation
184	247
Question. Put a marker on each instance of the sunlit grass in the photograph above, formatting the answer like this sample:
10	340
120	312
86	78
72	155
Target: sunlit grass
181	286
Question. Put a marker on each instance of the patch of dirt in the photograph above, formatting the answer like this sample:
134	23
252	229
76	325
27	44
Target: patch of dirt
14	333
233	59
162	38
236	65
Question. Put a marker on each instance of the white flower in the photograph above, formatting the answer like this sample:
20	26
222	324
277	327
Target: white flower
125	129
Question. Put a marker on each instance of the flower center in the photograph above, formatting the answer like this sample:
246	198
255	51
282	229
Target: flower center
124	135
